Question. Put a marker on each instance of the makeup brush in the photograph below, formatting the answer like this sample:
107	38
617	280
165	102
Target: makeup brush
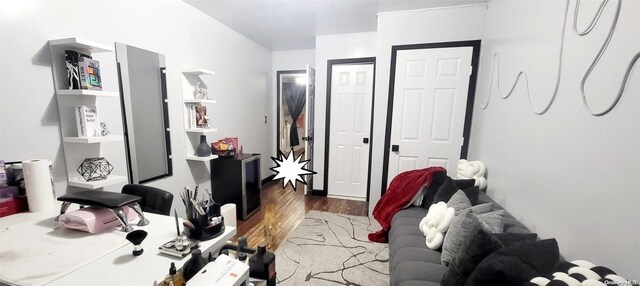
136	237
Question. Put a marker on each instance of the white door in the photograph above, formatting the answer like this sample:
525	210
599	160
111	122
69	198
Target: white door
350	122
309	121
429	106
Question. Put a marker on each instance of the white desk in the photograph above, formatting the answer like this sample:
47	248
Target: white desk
49	255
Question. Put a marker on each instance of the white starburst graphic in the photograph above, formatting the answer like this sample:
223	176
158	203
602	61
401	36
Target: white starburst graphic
290	169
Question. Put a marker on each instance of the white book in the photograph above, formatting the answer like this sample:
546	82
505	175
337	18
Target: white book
87	121
192	116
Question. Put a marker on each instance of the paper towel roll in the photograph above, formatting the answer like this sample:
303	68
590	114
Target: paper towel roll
37	182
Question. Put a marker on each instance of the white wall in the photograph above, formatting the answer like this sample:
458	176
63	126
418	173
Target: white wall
333	47
187	37
565	174
413	27
283	61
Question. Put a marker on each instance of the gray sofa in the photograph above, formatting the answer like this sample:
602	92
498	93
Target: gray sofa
411	263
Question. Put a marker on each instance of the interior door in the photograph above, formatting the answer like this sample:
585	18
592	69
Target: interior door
309	120
350	122
430	98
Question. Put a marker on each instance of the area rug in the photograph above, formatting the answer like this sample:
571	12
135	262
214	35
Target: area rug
332	249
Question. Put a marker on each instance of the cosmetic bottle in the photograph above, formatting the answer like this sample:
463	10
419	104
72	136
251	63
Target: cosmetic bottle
194	264
262	265
240	253
174	277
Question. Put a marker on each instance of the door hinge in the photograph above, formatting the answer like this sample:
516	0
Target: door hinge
470	70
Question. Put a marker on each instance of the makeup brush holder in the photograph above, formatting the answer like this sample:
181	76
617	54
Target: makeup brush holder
207	226
205	233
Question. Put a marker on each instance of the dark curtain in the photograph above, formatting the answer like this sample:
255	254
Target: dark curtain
294	96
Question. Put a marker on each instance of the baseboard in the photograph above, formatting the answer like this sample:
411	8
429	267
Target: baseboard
267	180
347	198
320	193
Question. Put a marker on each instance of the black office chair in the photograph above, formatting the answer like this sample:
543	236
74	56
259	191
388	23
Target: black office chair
154	200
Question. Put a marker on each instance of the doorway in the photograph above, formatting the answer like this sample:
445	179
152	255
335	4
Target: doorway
295	114
431	94
350	91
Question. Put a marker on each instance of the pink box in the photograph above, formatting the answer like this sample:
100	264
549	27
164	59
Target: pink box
93	219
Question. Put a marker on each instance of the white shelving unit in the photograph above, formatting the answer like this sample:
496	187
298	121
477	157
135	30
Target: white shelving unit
75	148
200	101
201	159
88	140
190	78
111	180
198	72
86	92
201	130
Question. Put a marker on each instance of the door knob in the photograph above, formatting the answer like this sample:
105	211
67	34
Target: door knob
365	140
395	148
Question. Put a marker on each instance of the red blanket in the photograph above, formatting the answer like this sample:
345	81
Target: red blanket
400	192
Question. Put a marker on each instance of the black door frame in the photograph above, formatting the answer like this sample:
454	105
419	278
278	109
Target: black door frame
278	74
475	44
327	127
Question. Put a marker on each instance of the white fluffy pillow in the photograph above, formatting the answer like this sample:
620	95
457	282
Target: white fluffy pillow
436	223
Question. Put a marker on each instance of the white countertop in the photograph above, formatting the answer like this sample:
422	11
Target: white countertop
35	251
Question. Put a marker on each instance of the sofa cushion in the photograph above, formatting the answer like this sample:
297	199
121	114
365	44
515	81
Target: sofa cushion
482	209
516	264
464	183
415	254
446	191
418	283
417	270
406	241
511	225
464	226
429	192
493	221
475	249
459	202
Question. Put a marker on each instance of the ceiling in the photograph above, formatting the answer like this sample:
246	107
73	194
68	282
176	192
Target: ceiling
281	25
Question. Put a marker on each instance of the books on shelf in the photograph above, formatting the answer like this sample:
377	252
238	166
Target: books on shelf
89	73
87	121
198	117
83	72
73	73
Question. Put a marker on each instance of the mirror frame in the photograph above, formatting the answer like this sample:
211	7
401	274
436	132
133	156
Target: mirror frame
129	132
279	75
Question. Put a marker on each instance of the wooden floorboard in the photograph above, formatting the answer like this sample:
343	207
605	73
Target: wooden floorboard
291	207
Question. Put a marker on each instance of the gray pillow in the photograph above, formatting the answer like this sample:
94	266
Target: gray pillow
492	222
482	209
459	202
463	226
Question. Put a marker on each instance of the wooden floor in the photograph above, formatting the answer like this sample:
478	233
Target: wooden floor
291	207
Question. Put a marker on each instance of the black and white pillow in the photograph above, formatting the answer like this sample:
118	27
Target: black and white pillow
580	273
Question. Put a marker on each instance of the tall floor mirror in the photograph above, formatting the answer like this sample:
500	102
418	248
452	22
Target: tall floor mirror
295	110
146	115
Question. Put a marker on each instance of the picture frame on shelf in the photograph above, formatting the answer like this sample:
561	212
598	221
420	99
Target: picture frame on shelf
199	116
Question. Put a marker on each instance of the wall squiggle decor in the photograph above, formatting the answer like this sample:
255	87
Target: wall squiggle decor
603	48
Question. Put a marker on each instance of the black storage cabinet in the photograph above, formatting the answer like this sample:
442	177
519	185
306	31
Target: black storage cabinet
237	180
